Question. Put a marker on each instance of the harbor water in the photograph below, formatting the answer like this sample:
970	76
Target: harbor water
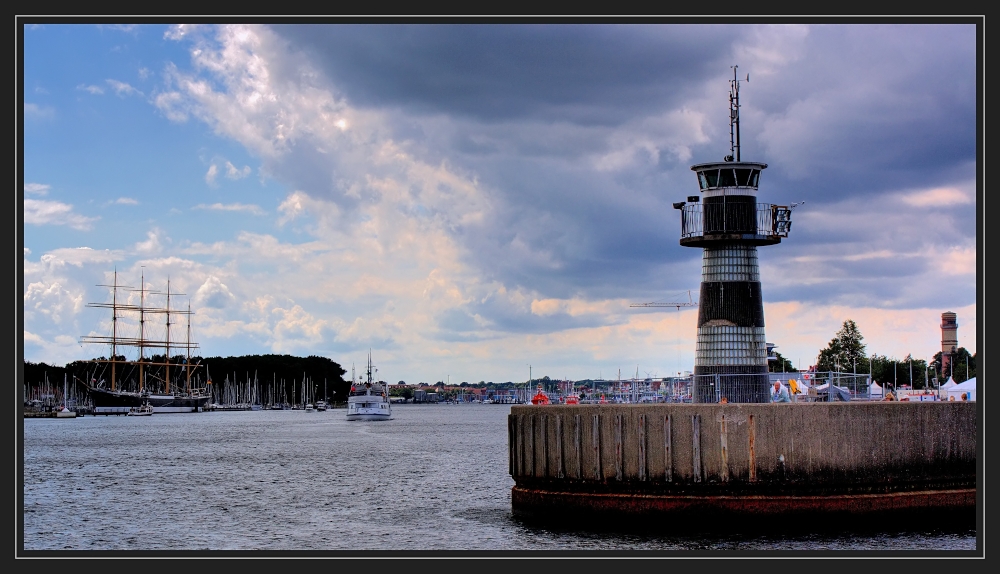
434	478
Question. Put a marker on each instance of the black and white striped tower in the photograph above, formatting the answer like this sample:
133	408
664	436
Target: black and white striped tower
728	223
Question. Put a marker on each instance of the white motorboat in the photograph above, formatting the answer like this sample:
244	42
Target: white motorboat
145	410
369	401
320	406
65	413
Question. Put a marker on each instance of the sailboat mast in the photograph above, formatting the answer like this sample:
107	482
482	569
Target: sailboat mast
188	345
142	328
166	358
114	329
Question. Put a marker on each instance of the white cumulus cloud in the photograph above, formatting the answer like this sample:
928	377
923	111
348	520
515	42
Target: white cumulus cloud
233	173
122	89
37	188
255	210
42	212
213	170
95	90
214	293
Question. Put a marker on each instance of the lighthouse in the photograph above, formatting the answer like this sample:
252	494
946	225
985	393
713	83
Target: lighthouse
728	223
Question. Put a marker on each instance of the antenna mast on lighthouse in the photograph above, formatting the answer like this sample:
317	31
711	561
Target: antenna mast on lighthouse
734	116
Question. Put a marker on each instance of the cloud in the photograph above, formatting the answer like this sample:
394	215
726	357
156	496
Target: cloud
152	245
253	209
40	212
233	173
38	112
126	201
179	31
213	170
214	293
95	90
143	73
170	103
51	301
123	89
938	197
37	188
77	257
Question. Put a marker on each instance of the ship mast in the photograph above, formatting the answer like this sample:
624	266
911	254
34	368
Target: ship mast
166	354
187	363
114	329
142	328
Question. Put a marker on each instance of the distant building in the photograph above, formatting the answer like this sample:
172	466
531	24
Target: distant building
949	341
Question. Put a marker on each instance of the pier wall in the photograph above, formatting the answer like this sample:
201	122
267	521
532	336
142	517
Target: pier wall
853	458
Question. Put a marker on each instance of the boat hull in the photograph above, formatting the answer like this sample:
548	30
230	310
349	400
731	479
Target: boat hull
120	402
369	416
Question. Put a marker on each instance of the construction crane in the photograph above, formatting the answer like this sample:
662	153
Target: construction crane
690	303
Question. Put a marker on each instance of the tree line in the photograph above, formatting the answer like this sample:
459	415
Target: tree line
277	378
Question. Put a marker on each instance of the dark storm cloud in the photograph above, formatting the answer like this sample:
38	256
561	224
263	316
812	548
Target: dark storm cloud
838	112
868	108
497	72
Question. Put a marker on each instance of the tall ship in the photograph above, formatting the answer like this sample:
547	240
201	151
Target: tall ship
151	376
369	401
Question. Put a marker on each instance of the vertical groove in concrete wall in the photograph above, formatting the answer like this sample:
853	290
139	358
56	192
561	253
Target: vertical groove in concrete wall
510	446
618	447
724	452
531	441
696	446
668	451
559	447
576	443
545	445
642	447
751	439
596	442
519	451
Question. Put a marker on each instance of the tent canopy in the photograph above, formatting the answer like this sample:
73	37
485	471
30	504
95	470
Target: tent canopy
968	388
969	385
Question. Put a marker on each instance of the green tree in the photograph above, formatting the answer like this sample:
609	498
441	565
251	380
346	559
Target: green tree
844	352
780	364
401	391
963	366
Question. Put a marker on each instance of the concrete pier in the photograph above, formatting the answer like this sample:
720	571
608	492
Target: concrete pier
705	465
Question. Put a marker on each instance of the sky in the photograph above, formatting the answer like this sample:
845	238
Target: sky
484	201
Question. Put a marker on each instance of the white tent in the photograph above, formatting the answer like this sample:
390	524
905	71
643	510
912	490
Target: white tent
875	391
944	388
968	388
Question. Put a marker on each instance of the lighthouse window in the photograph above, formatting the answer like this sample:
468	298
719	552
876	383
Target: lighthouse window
743	176
726	178
711	178
754	177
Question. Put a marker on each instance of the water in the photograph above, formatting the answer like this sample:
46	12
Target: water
432	479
